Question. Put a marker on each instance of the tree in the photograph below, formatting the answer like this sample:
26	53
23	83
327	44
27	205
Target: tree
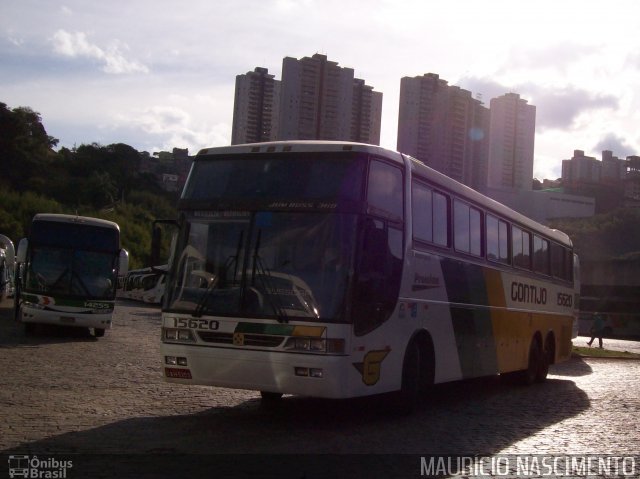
25	147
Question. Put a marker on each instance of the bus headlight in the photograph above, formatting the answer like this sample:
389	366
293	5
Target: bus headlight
33	305
315	345
177	334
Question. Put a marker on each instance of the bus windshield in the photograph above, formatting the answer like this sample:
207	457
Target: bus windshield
282	265
72	260
68	272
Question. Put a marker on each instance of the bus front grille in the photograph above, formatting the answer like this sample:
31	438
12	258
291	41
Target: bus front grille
266	341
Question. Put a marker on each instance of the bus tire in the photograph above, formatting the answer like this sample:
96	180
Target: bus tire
98	332
546	359
269	399
528	376
29	329
413	379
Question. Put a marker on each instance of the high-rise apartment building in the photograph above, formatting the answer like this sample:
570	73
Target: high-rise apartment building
366	113
255	108
581	169
511	142
323	101
444	127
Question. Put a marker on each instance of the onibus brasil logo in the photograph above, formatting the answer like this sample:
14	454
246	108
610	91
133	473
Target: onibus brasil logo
33	467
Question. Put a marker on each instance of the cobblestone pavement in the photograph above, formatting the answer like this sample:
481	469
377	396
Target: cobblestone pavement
65	392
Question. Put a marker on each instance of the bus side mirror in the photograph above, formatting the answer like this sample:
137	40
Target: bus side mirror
123	262
21	255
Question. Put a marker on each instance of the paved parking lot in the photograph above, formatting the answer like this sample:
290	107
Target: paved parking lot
64	392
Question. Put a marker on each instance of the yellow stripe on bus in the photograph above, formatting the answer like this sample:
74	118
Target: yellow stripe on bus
308	331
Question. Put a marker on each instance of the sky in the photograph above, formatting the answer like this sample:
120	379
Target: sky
158	74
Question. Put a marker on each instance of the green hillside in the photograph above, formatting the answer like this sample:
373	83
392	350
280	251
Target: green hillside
90	180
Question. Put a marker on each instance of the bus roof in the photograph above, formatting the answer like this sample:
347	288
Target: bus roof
300	146
307	146
84	220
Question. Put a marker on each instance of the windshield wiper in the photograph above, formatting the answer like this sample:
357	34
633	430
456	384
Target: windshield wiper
199	311
231	260
266	282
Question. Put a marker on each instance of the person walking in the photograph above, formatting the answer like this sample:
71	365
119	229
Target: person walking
597	329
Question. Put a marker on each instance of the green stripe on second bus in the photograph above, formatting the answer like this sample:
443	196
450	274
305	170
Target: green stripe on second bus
52	301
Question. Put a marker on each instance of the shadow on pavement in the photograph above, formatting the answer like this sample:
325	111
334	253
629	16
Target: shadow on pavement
12	334
479	416
574	367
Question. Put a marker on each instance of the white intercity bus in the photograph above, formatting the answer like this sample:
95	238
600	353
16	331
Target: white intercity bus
7	264
146	284
67	272
336	270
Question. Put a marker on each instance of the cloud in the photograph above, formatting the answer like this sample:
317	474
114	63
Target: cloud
76	45
616	144
560	107
557	56
556	107
171	126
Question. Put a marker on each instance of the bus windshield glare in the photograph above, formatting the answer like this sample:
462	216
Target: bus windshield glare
282	265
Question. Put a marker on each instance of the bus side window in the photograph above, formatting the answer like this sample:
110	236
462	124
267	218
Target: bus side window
540	255
521	247
384	192
497	240
379	274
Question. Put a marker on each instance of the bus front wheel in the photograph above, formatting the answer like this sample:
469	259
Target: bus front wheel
98	332
29	329
269	399
416	377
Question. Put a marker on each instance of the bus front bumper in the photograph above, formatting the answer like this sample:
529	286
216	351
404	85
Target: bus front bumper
324	376
65	318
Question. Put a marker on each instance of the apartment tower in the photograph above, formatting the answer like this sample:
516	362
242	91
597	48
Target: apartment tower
511	142
323	101
255	109
444	127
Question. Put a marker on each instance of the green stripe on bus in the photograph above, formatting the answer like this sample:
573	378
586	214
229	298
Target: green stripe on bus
258	328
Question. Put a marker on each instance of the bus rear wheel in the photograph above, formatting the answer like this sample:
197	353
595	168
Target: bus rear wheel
546	358
98	332
528	376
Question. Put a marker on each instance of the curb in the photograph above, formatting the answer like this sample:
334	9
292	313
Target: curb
586	356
